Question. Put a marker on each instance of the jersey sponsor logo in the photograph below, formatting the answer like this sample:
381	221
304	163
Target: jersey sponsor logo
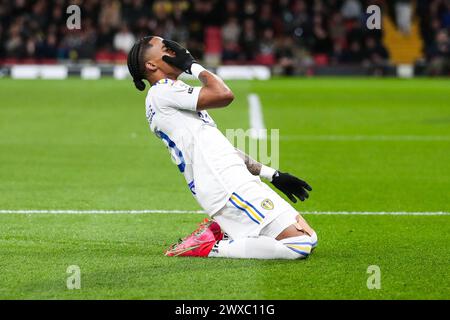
267	204
190	90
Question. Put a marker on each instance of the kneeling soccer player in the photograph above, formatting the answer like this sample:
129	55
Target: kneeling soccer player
250	220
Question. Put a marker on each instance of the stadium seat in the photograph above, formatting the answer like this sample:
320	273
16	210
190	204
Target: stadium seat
48	61
10	61
265	59
120	57
321	59
104	56
213	40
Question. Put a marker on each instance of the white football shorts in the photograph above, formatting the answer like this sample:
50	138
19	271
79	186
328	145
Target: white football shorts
255	209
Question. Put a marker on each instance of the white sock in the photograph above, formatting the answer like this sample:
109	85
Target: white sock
263	247
314	240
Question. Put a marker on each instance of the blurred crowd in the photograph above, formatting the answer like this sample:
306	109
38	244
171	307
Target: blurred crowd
283	33
435	29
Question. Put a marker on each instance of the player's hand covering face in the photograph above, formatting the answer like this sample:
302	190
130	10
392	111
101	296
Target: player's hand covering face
183	60
291	186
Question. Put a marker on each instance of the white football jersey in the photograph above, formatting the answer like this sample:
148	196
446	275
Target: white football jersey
210	164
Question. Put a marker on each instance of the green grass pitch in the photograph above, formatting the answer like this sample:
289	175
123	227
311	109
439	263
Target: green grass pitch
363	144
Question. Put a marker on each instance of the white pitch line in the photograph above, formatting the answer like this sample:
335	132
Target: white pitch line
364	138
257	127
380	213
56	211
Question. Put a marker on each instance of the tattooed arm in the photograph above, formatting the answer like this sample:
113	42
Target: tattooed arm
290	185
252	165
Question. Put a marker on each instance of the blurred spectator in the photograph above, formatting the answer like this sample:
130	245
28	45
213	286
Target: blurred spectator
181	31
338	55
249	40
266	52
250	9
375	56
265	18
337	28
374	53
231	31
110	14
322	43
351	9
105	37
15	43
439	54
230	37
285	56
2	41
353	54
88	37
404	13
124	39
47	48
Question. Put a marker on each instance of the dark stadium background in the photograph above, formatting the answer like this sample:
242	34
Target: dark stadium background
289	36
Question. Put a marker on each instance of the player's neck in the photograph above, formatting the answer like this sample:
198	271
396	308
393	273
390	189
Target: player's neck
160	76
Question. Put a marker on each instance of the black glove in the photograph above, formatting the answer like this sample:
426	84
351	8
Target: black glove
291	186
183	60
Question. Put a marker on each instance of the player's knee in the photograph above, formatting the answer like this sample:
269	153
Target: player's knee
299	254
314	239
298	247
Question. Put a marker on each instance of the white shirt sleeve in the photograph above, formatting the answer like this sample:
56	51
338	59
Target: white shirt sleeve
180	96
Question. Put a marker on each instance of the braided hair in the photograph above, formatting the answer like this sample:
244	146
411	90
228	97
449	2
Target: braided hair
136	64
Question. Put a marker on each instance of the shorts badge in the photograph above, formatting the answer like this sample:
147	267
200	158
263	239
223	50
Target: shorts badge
267	204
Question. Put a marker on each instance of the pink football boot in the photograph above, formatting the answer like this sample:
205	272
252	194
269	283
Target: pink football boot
214	227
199	243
